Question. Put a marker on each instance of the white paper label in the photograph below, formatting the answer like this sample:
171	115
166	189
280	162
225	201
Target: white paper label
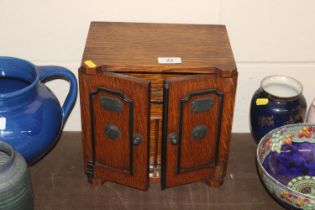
168	60
3	122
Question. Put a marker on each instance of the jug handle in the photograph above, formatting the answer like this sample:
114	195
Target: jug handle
59	72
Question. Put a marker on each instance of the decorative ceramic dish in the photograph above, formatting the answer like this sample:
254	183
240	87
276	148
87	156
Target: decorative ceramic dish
286	164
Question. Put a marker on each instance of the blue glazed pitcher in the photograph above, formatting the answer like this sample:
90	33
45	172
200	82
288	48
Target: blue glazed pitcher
31	117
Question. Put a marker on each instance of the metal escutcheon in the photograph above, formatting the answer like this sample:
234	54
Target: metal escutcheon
111	104
112	131
199	132
201	105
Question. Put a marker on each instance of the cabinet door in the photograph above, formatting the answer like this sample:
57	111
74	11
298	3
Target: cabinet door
191	133
116	130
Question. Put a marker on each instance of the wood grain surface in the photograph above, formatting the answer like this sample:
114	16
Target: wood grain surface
196	155
135	47
116	160
60	183
125	59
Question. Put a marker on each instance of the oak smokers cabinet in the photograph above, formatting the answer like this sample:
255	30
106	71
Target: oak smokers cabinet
156	103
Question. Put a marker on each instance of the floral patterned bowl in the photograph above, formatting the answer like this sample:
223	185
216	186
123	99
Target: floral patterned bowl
286	164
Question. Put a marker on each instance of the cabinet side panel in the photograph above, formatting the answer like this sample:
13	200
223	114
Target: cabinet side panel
85	118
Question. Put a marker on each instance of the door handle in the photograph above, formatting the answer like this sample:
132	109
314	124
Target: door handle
172	137
137	139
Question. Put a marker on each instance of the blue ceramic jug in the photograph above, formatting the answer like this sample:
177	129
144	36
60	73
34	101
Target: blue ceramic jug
31	117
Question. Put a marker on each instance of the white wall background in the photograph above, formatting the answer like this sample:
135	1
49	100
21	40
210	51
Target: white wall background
267	37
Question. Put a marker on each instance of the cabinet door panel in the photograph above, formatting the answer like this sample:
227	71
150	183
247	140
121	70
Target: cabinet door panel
116	132
192	127
113	129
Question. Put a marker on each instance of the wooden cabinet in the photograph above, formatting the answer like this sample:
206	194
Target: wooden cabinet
156	103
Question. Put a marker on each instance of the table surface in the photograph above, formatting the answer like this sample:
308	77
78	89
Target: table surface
60	183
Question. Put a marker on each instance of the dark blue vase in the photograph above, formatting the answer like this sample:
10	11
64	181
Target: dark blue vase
279	101
31	117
